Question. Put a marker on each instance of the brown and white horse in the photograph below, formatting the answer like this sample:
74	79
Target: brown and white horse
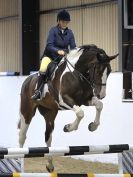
79	80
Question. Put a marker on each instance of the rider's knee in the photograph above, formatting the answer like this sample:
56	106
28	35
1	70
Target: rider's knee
44	64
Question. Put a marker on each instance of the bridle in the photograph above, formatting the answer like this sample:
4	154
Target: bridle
90	80
82	77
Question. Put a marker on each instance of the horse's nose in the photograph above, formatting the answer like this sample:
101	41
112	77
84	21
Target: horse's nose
100	97
102	92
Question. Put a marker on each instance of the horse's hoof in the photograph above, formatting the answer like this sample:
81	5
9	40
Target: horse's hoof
92	126
66	128
50	168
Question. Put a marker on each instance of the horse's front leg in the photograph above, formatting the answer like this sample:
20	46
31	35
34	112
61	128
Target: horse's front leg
99	106
74	125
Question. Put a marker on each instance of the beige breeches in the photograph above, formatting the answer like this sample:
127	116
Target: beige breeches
44	64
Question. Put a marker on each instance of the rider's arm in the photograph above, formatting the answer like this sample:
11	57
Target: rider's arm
61	52
51	41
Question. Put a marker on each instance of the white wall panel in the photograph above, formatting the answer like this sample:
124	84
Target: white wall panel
76	25
49	20
93	25
9	45
8	8
50	4
90	1
9	36
100	27
46	22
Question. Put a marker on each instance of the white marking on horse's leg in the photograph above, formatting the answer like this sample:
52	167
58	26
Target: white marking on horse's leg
103	92
23	130
99	106
74	126
50	166
49	140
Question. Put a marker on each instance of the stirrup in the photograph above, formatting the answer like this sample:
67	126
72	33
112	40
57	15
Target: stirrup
36	95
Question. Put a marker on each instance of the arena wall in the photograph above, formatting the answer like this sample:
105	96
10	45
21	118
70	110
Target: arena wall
115	127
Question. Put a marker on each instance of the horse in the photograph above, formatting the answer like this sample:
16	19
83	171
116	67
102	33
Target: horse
79	79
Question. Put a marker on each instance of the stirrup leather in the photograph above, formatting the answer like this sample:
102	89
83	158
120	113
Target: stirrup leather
36	95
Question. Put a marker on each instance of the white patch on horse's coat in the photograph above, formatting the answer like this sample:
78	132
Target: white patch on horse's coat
104	77
72	57
74	125
96	102
99	106
62	103
34	73
49	140
103	91
79	112
45	90
23	130
103	88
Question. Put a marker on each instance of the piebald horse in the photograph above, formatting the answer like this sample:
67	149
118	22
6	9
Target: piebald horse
80	79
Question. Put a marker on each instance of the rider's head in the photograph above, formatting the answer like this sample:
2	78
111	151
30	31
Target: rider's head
63	18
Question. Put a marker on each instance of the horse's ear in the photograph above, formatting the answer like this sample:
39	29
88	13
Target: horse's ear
113	57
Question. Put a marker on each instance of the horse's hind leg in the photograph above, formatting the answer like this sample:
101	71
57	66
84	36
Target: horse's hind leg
48	140
49	115
99	106
23	130
26	114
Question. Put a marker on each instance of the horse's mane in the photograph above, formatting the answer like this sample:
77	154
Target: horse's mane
88	47
101	54
74	54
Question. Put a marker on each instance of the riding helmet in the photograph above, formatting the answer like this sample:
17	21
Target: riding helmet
63	15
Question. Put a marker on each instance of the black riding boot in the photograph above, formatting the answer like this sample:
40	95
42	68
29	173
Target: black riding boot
41	81
43	78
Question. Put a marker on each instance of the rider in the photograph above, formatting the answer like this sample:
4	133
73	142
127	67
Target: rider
59	41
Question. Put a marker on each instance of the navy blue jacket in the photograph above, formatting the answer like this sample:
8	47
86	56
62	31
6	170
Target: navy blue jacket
59	41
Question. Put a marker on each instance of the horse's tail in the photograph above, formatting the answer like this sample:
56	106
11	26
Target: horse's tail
19	123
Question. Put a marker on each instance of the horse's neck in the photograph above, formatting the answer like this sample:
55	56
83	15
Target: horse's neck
59	70
73	56
68	66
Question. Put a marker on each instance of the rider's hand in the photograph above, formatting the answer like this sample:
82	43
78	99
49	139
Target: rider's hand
61	52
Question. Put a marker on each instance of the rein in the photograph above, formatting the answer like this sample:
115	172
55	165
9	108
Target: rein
80	74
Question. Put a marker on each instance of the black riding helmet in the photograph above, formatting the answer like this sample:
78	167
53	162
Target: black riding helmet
63	15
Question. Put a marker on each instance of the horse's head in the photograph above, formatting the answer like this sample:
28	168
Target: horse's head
94	64
103	69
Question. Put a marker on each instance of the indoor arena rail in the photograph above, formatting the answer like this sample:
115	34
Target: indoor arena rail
63	175
63	151
9	73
